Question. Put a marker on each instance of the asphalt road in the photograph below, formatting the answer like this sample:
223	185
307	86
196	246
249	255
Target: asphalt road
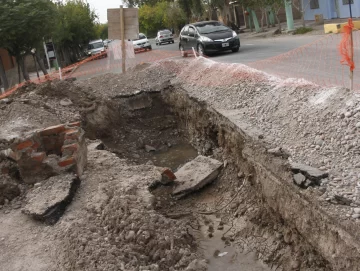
251	50
317	60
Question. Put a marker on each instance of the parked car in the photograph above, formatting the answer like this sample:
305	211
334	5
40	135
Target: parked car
141	43
164	36
106	43
96	47
208	37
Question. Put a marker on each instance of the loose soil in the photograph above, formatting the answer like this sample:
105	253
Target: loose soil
163	115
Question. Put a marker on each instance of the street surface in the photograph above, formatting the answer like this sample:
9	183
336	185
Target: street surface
318	62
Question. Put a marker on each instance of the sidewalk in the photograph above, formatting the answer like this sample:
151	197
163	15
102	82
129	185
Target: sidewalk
318	29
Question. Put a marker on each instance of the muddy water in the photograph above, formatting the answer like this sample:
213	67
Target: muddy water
222	257
175	156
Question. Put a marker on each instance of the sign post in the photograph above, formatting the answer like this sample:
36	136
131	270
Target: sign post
122	34
123	25
351	51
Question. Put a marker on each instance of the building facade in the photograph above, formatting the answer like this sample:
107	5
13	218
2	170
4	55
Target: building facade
331	9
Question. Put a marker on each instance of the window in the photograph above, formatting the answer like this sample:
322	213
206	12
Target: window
314	4
185	30
191	32
211	27
346	2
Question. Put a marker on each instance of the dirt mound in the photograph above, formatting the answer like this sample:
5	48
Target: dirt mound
118	229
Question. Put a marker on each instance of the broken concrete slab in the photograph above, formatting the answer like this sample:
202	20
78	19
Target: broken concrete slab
196	174
48	201
311	173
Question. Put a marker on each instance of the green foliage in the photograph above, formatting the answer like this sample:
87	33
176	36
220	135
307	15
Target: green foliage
101	31
24	23
302	30
75	23
161	15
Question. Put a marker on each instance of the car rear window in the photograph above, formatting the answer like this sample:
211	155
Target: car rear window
166	32
95	45
211	27
141	37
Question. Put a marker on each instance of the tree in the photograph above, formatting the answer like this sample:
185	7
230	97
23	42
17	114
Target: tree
75	27
301	5
22	27
101	31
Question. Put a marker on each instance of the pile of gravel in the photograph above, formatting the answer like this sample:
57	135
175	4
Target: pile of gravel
318	126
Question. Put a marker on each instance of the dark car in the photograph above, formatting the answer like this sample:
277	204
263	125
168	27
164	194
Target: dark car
164	36
208	37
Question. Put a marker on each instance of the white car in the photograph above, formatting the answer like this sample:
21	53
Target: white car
96	47
141	43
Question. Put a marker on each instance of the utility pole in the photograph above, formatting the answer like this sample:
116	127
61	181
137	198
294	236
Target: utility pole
289	15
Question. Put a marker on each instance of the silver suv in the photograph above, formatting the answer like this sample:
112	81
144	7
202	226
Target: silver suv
164	36
96	47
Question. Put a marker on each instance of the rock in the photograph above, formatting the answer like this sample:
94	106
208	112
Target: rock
5	101
149	148
280	152
196	174
207	146
341	200
348	114
96	145
130	235
48	202
308	183
357	210
358	124
197	265
318	141
66	102
355	216
311	173
299	179
8	190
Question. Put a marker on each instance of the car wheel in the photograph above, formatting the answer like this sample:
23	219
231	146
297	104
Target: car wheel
173	42
183	53
150	48
200	49
235	49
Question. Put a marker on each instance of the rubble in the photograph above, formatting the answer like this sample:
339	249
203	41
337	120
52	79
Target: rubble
196	174
49	152
48	201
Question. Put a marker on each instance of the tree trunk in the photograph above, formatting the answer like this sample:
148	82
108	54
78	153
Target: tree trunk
244	15
23	68
40	61
303	18
17	61
262	20
3	75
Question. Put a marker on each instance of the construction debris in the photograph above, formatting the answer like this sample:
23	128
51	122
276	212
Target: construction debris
196	174
48	200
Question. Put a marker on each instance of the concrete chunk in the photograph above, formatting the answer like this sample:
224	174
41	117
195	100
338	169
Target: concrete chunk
309	172
196	174
48	201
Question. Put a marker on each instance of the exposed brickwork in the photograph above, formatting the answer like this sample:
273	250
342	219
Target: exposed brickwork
38	156
66	161
53	130
25	144
50	151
